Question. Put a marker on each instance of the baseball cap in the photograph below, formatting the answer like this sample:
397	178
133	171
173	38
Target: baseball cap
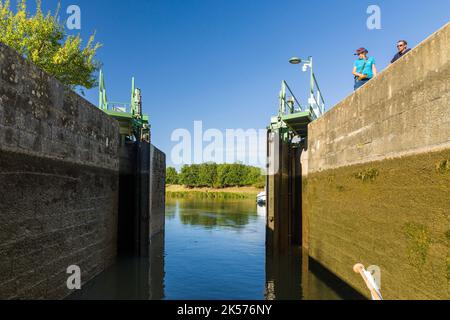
361	50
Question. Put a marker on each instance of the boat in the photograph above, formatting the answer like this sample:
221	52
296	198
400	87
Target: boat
261	198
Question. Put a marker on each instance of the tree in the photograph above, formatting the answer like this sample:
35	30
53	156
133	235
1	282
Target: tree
189	175
43	40
207	175
236	175
254	177
223	172
172	176
214	175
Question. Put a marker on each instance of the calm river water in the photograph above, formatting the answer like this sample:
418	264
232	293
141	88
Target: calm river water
215	249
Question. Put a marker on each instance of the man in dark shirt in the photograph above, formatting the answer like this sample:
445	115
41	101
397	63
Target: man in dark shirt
403	49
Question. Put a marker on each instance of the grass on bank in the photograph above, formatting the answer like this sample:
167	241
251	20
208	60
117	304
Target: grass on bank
177	191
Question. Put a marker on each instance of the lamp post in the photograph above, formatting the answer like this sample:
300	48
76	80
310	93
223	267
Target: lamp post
308	63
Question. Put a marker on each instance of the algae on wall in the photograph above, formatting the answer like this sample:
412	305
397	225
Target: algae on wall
393	213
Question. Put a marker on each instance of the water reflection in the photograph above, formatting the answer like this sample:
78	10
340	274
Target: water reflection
212	214
157	273
130	278
215	250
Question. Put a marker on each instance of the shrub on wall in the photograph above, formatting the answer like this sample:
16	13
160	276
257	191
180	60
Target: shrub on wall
41	38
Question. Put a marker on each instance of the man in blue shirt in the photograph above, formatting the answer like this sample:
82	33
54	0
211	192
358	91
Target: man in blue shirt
403	49
364	68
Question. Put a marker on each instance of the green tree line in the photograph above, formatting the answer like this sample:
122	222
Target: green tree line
214	175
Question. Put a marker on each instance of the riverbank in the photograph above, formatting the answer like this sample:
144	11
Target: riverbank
176	191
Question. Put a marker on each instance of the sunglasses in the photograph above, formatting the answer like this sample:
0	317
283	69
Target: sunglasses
400	45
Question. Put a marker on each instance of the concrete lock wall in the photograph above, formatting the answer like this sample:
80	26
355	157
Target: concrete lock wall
58	183
378	181
283	221
70	194
142	197
157	192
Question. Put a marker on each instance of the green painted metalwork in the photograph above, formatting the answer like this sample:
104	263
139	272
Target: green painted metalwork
298	123
293	118
133	123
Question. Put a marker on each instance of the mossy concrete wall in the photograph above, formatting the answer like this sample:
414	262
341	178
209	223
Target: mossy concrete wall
377	189
59	171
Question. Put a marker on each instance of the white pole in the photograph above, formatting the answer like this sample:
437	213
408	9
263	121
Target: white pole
369	280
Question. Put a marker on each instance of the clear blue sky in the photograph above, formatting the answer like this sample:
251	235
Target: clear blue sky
222	61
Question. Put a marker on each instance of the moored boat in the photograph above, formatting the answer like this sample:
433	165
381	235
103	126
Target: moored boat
261	198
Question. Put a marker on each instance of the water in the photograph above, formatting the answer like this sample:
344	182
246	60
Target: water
215	250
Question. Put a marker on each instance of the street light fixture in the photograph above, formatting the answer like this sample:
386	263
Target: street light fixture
295	60
308	63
